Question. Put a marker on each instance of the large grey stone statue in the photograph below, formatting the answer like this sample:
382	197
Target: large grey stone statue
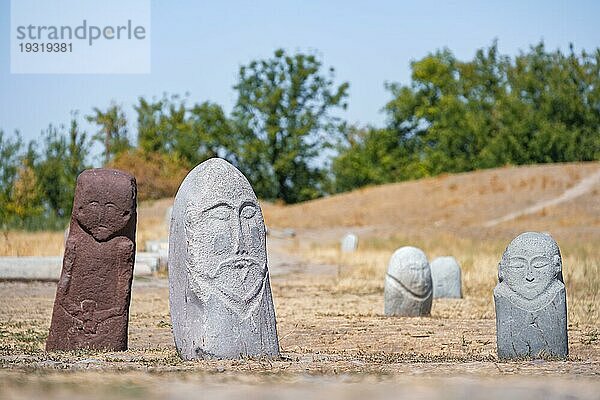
445	274
531	306
408	287
220	296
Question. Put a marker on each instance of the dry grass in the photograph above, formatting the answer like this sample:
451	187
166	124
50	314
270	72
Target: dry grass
16	243
152	223
460	202
362	272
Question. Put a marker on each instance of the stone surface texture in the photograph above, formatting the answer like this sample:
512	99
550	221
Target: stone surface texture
349	243
446	278
408	286
219	290
91	309
530	298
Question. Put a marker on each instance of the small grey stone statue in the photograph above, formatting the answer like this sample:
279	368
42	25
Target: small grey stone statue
531	306
220	296
349	243
408	287
445	274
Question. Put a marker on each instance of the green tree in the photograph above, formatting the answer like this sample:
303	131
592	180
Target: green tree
368	156
78	149
59	164
212	134
284	116
9	166
156	121
188	134
559	113
113	130
26	203
490	111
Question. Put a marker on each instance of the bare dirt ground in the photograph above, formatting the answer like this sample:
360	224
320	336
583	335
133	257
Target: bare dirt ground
332	341
335	341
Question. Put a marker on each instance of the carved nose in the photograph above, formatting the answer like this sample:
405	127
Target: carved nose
241	242
241	247
529	279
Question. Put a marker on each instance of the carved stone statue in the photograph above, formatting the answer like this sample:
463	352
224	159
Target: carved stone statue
220	296
91	309
531	306
445	274
408	287
349	243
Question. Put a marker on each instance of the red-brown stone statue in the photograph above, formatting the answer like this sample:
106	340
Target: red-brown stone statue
91	309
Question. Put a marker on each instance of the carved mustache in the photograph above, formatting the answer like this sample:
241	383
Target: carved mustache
246	262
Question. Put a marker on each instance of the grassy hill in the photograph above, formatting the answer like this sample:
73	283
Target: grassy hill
460	203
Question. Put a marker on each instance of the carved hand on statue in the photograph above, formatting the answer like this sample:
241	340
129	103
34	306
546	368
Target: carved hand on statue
88	310
103	315
125	253
65	279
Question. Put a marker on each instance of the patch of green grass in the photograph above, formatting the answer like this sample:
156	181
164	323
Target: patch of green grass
18	337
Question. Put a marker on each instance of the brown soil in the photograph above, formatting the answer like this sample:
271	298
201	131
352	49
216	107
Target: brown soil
325	332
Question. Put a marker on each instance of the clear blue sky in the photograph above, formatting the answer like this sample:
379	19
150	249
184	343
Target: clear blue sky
198	46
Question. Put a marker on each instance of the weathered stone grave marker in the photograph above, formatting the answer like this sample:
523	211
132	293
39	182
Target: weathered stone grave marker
349	243
220	296
530	298
446	278
408	287
91	309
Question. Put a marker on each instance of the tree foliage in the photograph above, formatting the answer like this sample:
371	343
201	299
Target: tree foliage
284	115
158	175
62	159
113	130
490	111
192	134
37	184
9	165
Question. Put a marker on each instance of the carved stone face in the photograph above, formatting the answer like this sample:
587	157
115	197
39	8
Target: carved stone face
226	234
409	266
103	203
530	263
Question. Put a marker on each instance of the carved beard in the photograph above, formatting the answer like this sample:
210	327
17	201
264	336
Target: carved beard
237	282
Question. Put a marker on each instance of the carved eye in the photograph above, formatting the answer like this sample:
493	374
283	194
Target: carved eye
540	262
221	213
111	206
94	203
248	211
518	263
193	219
